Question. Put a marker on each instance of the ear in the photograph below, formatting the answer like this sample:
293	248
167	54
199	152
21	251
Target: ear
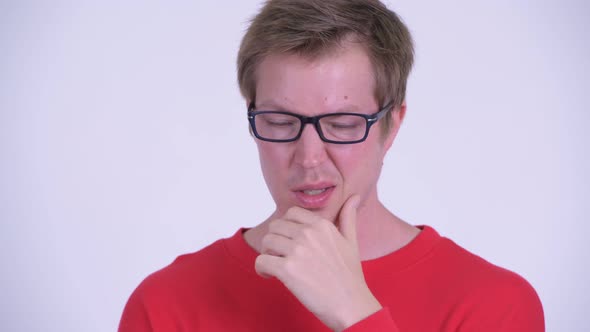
397	117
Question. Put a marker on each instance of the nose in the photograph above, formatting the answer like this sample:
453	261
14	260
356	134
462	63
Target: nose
310	150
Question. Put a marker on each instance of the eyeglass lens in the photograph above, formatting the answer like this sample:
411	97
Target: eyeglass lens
341	128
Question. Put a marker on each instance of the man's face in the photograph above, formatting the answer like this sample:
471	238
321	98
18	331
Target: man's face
310	173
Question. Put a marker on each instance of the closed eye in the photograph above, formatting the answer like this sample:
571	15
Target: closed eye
344	125
280	123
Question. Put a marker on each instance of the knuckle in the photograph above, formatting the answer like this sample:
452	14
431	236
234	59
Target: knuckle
259	260
307	232
259	263
266	241
292	211
289	268
273	224
298	250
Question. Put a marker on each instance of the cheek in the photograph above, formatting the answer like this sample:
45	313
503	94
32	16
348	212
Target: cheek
273	161
352	164
360	167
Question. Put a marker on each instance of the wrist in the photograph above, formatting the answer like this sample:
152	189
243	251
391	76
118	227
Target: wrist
356	311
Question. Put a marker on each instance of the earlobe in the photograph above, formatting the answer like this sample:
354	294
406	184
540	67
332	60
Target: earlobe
402	113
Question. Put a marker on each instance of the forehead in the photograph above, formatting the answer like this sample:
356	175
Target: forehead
340	78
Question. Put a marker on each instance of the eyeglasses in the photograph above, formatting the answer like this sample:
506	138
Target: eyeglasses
337	128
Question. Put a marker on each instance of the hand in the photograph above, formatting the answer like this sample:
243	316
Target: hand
319	264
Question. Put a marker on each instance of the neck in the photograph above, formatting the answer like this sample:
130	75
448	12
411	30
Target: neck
380	232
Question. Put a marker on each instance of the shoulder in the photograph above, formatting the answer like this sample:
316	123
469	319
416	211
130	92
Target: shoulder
474	267
466	274
186	270
490	294
164	296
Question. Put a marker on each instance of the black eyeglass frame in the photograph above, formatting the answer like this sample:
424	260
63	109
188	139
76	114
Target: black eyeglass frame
370	119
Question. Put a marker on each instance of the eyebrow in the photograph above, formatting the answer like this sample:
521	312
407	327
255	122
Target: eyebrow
269	105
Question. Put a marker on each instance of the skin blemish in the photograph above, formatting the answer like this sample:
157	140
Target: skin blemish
345	97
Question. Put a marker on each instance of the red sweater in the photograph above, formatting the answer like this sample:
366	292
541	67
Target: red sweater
431	284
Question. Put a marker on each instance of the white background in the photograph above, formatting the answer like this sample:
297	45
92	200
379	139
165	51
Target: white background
124	143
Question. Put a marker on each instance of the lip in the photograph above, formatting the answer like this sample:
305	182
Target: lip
313	201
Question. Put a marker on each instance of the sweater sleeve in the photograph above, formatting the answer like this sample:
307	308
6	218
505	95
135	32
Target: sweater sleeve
379	321
150	307
512	306
507	305
135	317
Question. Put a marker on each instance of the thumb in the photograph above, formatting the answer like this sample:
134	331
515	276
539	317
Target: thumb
347	219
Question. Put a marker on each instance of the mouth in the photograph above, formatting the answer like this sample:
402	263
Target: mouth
314	192
314	197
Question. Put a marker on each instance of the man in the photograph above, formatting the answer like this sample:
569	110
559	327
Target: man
324	82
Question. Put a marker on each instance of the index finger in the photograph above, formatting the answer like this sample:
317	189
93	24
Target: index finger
302	216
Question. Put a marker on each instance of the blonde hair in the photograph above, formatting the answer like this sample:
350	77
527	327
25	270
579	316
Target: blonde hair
312	28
